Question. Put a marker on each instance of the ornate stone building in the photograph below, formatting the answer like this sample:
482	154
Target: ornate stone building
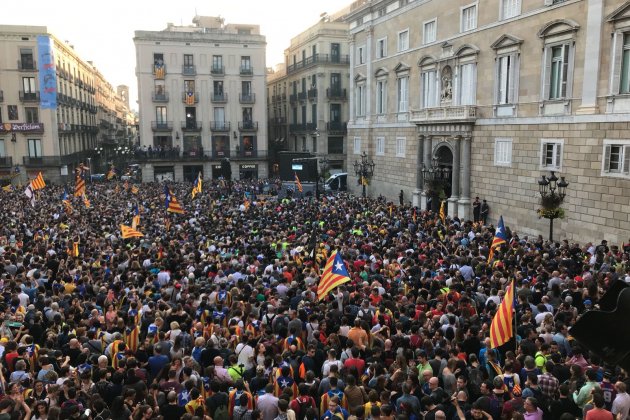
496	93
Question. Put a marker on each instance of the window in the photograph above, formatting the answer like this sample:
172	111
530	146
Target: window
246	87
356	147
26	57
335	52
335	145
401	145
551	154
381	48
13	112
219	116
35	148
616	157
430	31
335	112
158	59
32	114
247	115
217	63
403	93
502	152
403	40
314	114
469	18
361	55
506	75
160	114
510	8
429	89
360	102
246	64
28	83
558	74
381	95
380	146
188	60
625	65
467	94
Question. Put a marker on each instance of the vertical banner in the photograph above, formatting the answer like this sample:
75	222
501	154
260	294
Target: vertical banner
47	75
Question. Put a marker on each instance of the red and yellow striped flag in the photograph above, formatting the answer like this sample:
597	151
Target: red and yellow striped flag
86	201
334	275
79	186
134	189
501	329
38	183
443	213
129	232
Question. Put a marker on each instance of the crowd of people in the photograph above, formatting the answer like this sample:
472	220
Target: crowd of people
213	314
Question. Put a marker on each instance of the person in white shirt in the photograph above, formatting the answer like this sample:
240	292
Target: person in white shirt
245	353
621	403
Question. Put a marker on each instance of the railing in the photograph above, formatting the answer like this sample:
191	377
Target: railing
277	120
162	125
29	96
194	98
220	154
460	112
30	65
293	98
217	70
337	127
248	98
318	58
219	126
312	94
202	155
248	125
189	70
191	126
6	161
219	97
336	93
246	71
159	97
57	160
302	96
304	127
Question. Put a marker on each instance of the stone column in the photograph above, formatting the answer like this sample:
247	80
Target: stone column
452	200
591	57
464	201
351	98
369	75
419	181
427	150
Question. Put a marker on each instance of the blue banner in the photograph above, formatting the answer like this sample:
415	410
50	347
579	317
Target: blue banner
47	75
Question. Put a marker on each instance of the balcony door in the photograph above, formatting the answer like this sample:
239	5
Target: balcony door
335	53
191	117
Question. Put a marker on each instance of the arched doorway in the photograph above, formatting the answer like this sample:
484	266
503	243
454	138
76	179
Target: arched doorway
440	187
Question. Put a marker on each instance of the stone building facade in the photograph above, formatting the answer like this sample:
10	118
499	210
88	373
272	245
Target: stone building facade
497	93
202	99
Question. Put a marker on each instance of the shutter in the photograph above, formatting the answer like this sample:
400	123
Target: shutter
616	65
510	79
496	94
546	75
496	152
558	155
515	77
606	167
565	70
504	80
626	159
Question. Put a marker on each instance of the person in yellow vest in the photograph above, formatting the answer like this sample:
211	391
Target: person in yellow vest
196	406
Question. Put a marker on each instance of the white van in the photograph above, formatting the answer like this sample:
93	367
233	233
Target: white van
337	182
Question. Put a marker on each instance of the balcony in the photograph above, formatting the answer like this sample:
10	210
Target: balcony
302	96
194	126
248	125
220	154
28	65
445	113
249	154
246	71
6	161
293	98
190	98
312	94
247	98
336	94
277	121
159	97
316	59
337	127
29	96
162	125
220	126
189	70
220	97
41	161
217	70
303	128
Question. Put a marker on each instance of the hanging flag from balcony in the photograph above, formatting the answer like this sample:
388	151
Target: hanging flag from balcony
47	74
160	71
190	98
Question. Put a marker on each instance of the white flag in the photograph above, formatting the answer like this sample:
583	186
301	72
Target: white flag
30	194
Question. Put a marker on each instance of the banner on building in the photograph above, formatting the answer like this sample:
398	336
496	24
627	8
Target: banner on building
47	75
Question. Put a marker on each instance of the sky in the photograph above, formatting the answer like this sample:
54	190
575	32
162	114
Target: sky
102	32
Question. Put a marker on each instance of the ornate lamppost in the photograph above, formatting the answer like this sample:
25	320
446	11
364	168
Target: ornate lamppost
364	170
435	176
552	193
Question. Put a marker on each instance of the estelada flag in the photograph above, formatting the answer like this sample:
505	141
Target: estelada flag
501	329
499	238
172	205
335	274
129	232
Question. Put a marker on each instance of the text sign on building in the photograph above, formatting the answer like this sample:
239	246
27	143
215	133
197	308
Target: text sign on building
47	75
21	127
248	166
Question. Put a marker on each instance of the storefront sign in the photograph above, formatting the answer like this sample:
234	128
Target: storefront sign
249	166
21	127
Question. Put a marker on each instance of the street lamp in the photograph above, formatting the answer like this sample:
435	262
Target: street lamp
552	192
364	170
434	176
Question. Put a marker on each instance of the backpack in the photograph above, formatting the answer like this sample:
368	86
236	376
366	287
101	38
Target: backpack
303	408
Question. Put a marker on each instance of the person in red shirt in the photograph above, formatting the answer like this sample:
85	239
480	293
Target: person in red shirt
11	355
375	297
354	362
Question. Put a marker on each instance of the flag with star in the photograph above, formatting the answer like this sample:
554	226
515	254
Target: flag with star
172	205
197	187
65	199
499	238
135	221
335	274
